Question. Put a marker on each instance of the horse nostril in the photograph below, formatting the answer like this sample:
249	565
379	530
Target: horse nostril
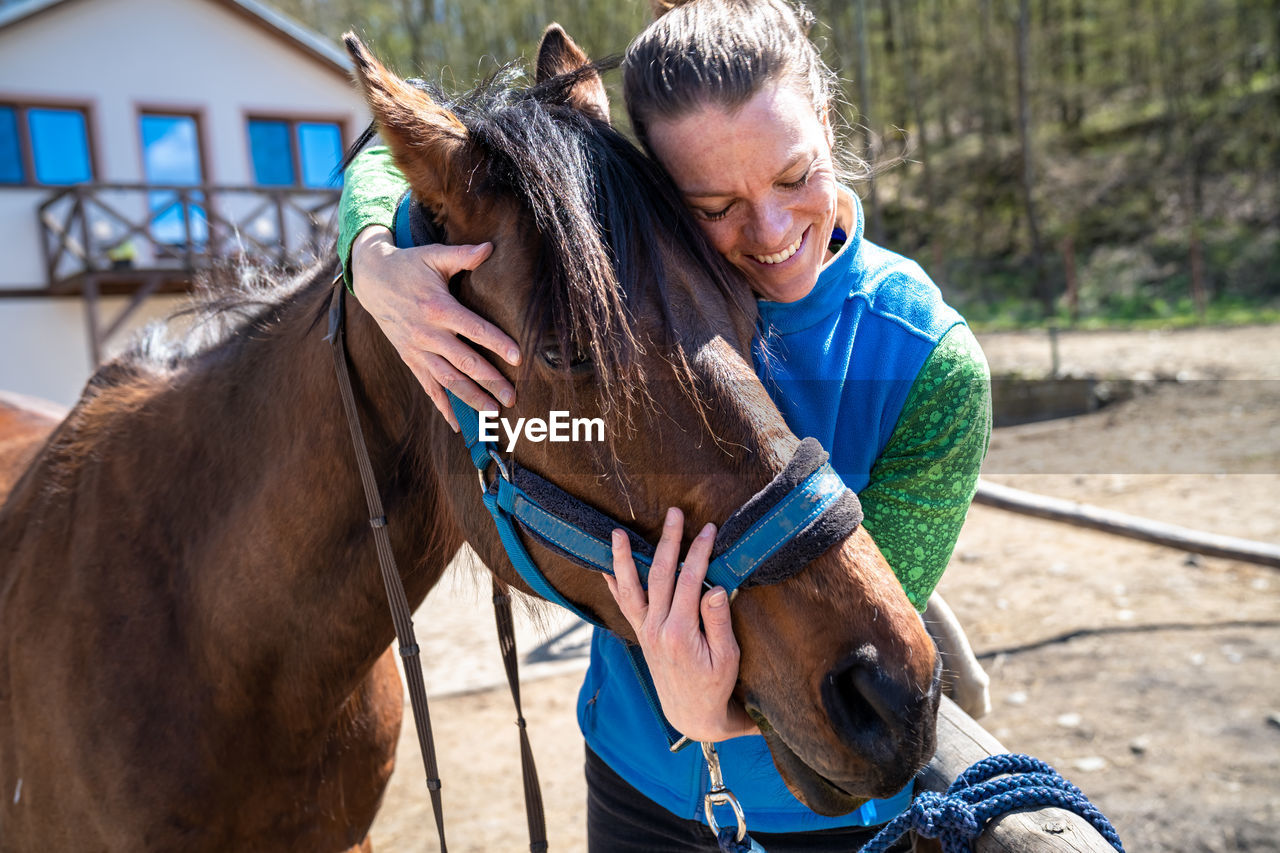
867	708
844	695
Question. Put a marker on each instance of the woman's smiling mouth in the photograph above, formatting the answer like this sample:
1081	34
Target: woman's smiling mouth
785	254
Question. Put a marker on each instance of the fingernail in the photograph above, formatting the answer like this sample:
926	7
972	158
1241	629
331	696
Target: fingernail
618	536
513	356
507	398
717	598
708	530
673	516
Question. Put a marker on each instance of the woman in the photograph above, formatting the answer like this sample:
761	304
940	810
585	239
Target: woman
731	98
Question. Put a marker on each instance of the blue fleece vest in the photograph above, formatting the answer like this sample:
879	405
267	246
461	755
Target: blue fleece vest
838	364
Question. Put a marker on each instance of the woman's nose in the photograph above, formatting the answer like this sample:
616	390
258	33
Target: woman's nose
770	227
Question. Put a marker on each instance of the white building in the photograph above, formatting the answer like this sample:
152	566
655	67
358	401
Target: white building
139	141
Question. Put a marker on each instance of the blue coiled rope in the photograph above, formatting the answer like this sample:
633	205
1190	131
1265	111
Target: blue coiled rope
974	799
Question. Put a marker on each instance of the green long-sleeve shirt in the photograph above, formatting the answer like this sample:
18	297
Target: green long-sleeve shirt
920	486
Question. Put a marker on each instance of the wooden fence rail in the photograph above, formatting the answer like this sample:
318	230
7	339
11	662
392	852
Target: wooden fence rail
1123	524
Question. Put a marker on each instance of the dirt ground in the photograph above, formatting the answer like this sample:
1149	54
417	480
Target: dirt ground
1149	677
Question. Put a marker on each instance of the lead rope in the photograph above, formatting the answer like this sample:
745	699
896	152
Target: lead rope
976	798
401	616
955	818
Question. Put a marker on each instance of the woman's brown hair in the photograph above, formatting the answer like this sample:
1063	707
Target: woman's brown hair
720	52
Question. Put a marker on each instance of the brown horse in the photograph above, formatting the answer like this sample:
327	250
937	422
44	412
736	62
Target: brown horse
194	636
25	422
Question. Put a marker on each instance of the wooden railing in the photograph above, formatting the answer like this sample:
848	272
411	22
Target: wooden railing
116	229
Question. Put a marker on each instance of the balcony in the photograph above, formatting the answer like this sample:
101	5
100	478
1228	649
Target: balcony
136	240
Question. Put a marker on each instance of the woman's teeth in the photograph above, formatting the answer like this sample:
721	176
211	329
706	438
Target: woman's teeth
779	257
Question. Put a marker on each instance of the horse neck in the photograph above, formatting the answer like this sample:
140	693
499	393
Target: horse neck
245	467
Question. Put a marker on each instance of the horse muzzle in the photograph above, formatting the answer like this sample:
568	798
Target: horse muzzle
885	731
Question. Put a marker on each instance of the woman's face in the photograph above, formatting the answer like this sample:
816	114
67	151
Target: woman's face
761	182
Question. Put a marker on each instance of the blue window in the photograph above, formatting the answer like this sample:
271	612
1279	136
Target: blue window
272	152
44	145
320	147
293	153
59	145
171	156
171	149
11	171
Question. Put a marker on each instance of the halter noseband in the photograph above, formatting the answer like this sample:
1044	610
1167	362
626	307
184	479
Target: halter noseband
801	513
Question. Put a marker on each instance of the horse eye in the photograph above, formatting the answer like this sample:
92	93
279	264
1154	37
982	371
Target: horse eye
554	358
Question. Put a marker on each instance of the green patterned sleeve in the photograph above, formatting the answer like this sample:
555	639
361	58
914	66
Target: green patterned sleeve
921	486
371	189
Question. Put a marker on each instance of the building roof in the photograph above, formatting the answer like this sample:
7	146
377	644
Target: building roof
308	41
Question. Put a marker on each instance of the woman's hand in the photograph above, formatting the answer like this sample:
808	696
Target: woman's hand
407	292
694	672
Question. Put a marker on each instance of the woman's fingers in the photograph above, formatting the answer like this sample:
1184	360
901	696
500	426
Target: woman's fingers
407	292
448	261
468	363
625	582
718	626
688	588
449	377
662	573
419	368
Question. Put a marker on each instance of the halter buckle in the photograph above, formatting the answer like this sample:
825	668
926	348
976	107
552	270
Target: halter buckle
502	471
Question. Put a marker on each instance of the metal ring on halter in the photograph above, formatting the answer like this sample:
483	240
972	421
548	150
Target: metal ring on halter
502	471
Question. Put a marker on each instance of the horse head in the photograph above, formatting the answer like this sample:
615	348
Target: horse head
625	313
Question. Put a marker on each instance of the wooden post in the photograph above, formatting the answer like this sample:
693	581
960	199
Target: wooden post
1122	524
90	290
961	743
281	236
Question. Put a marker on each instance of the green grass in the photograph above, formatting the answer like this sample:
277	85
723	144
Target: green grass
1151	314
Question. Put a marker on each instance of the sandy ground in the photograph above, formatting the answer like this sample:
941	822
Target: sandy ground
1149	677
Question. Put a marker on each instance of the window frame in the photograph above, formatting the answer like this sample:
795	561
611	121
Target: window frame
291	121
26	150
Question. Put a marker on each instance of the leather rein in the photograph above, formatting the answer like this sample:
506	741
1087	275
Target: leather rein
803	511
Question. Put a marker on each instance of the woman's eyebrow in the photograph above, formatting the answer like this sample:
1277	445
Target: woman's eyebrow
712	193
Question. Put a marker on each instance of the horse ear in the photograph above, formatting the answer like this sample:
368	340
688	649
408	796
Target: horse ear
426	140
559	54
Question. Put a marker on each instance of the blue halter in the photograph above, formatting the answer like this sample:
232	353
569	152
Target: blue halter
804	510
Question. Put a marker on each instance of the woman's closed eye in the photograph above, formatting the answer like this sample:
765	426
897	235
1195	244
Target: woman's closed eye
713	215
801	181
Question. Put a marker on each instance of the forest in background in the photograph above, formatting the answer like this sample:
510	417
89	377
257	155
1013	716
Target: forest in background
1081	161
